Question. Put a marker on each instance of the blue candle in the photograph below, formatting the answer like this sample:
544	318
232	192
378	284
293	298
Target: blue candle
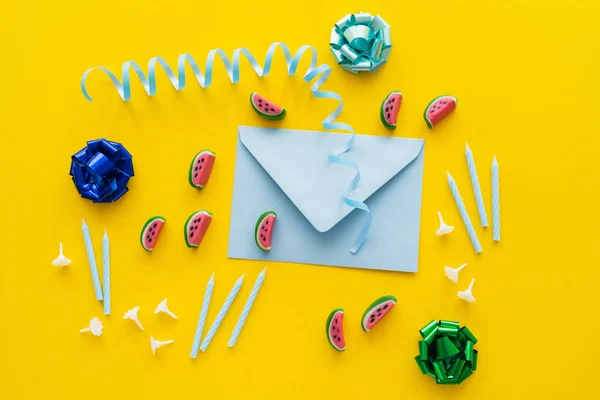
464	214
476	187
495	200
224	309
202	319
106	271
247	308
91	260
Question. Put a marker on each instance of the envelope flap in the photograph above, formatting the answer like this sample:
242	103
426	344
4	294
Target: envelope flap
297	161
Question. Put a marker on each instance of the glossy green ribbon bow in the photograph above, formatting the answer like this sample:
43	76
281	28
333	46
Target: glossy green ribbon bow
361	42
446	352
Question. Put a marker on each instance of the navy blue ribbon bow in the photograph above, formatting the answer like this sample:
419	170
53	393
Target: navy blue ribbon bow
101	171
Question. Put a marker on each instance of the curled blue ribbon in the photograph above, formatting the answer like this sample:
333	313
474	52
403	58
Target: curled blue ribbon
336	159
320	73
101	171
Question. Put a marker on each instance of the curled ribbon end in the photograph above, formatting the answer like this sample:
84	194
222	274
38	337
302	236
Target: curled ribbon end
85	93
362	236
82	85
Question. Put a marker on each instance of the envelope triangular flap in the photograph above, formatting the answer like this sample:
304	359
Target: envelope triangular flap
297	161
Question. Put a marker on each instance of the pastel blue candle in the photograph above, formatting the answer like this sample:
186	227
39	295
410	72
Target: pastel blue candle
91	260
203	312
106	272
476	187
247	307
495	200
464	214
224	309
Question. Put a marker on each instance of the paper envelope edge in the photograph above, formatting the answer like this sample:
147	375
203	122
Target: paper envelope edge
411	159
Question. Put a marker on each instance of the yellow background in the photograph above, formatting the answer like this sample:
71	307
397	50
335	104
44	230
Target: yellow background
526	76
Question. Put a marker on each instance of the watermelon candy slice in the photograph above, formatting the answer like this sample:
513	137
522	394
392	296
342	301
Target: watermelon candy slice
389	109
438	109
335	329
151	231
195	227
200	169
376	311
266	108
263	230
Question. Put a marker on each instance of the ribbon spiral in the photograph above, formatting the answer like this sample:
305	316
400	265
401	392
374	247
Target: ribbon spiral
101	171
361	42
446	352
320	73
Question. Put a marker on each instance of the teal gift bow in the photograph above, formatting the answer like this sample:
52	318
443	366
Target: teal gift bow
316	74
361	42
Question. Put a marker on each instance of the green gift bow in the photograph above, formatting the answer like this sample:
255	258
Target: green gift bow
361	42
446	352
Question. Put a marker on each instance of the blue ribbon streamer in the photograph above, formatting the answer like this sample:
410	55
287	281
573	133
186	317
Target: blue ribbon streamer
320	73
364	232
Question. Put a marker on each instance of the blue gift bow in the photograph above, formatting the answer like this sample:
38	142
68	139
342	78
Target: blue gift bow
101	171
233	71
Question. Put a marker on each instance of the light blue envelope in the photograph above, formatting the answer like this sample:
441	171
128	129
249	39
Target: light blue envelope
287	171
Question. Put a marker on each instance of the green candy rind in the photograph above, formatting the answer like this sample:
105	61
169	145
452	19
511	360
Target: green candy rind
328	326
191	173
258	223
262	114
149	222
381	113
375	304
427	121
185	226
